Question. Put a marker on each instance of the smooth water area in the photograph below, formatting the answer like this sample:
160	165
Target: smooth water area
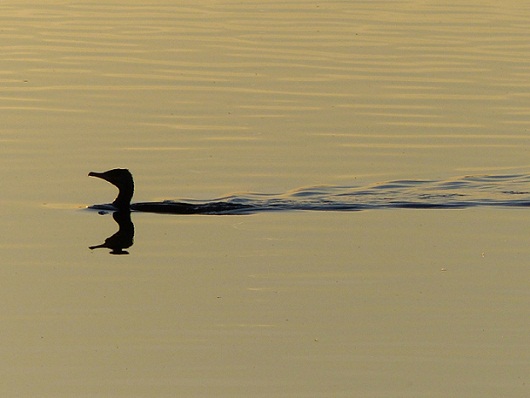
414	113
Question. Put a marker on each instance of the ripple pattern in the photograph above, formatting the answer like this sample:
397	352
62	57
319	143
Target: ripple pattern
468	191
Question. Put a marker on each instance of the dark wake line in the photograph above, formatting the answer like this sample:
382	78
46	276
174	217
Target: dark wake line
459	193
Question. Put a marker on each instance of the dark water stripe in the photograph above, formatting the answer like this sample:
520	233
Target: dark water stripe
469	191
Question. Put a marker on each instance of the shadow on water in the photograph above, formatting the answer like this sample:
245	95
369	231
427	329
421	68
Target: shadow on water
124	238
459	193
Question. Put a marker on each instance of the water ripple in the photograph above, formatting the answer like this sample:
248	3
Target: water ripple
468	191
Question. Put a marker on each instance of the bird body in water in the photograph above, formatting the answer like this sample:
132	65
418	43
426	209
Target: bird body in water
123	180
468	191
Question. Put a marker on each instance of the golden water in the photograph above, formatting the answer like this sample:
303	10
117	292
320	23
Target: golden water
203	99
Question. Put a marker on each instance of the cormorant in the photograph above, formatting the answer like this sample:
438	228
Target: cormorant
123	180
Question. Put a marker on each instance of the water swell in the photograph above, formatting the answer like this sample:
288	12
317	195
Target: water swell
463	192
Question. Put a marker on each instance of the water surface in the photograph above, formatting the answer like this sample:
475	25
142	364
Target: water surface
301	101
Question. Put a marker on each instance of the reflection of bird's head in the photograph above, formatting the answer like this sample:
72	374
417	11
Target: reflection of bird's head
123	180
122	239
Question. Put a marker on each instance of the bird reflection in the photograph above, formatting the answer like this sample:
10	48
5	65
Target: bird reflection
122	239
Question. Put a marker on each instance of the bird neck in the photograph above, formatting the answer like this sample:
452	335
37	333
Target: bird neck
123	200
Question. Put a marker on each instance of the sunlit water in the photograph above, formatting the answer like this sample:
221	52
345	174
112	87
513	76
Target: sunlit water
282	106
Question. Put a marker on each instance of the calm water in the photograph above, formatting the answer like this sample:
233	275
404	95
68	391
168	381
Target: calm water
368	103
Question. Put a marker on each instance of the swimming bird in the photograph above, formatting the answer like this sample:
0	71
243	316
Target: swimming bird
123	180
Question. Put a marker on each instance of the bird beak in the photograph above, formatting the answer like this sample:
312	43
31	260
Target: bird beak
95	174
103	176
